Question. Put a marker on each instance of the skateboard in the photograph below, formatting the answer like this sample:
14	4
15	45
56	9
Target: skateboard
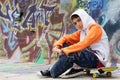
100	71
95	72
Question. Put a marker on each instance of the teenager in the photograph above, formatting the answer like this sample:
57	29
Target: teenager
87	47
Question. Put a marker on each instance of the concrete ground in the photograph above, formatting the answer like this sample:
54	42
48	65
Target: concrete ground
28	71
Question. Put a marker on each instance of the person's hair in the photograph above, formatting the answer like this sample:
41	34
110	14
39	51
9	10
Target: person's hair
74	16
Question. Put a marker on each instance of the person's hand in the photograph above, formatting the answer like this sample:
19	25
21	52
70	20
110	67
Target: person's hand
57	50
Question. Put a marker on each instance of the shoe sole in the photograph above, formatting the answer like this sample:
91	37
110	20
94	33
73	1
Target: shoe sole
41	76
72	75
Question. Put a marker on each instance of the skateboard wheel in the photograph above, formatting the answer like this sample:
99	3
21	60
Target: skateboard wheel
95	75
108	74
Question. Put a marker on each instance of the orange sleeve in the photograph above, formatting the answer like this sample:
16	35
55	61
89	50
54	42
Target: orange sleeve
94	34
71	39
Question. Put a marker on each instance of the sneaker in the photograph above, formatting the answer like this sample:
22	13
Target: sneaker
73	73
45	73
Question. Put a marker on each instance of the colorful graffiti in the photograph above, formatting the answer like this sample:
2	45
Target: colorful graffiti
30	27
26	24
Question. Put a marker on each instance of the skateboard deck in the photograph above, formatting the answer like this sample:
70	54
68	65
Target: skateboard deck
107	70
95	72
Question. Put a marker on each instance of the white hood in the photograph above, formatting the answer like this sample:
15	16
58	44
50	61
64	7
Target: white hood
86	19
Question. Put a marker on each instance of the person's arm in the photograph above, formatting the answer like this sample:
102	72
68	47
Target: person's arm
93	36
71	39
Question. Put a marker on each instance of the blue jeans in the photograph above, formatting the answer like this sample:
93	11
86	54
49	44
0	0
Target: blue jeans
84	58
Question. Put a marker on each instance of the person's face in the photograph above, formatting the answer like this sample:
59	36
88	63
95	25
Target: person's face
78	23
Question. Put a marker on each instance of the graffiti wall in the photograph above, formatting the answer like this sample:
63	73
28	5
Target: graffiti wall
28	28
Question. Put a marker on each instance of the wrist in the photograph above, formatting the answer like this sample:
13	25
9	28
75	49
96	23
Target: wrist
62	51
57	47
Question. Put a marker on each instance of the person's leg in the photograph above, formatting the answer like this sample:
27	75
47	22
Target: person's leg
63	64
83	59
75	66
87	59
59	67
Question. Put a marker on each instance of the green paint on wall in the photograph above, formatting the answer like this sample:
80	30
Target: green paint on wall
40	60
